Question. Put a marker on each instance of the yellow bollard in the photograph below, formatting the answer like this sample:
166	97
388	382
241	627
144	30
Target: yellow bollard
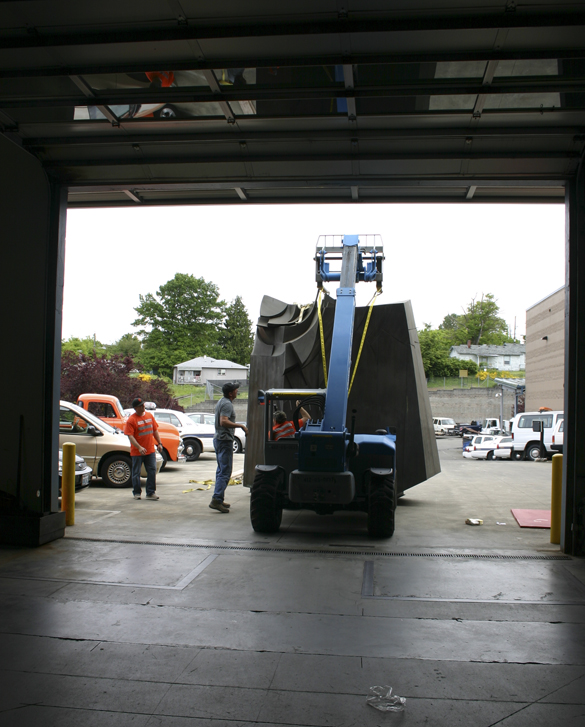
556	498
68	483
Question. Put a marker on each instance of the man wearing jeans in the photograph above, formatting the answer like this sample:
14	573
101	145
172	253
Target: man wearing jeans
223	442
142	431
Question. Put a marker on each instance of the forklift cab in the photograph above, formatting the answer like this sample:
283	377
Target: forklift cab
283	451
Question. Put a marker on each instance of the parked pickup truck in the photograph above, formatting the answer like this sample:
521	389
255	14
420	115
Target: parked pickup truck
460	430
487	426
109	409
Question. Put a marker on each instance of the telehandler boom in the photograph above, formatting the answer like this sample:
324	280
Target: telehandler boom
326	467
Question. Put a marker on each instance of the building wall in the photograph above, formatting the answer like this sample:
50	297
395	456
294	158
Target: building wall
545	353
464	405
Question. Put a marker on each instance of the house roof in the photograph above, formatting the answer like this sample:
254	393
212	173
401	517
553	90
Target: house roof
206	362
506	349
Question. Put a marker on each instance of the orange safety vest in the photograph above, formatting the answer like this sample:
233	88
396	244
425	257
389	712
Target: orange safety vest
284	430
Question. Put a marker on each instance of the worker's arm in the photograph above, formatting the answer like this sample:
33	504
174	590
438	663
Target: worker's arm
304	414
139	447
228	424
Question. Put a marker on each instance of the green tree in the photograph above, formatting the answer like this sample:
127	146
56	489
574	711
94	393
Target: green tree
236	338
81	374
87	346
434	348
479	323
181	321
127	345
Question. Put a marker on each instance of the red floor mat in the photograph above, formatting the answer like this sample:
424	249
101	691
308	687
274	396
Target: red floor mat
532	518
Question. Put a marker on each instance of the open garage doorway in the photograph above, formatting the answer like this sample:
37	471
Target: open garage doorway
441	257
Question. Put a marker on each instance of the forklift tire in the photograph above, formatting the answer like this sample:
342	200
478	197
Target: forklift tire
265	504
381	507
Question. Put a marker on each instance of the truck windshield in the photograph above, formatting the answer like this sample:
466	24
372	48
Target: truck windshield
91	419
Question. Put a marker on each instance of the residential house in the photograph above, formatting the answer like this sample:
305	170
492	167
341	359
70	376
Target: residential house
506	357
204	368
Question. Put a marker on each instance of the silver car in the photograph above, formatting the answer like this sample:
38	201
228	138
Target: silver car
82	472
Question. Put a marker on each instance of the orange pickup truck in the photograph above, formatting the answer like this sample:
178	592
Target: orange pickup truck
110	409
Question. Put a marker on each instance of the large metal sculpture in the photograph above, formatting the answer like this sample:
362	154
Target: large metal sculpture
327	466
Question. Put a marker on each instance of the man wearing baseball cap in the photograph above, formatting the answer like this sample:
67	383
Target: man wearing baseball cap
142	431
223	442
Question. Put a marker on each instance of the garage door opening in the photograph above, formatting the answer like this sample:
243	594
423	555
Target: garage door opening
441	257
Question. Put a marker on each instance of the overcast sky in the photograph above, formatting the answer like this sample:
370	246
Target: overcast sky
437	256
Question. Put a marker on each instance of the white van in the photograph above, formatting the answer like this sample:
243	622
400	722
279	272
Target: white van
558	437
526	440
443	425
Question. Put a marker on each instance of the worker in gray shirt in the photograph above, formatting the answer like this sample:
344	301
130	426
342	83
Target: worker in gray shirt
223	442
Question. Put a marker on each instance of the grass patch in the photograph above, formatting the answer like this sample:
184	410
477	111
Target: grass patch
471	382
196	394
182	390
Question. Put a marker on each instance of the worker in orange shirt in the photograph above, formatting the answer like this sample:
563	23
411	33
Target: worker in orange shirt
142	431
283	427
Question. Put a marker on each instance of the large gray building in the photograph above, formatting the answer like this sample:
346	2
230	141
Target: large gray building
545	352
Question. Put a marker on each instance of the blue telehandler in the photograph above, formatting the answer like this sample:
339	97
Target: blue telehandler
324	466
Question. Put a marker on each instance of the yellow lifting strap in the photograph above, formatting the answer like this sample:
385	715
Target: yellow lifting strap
322	336
376	294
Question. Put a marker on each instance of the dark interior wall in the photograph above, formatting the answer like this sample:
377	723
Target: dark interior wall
573	509
389	388
33	214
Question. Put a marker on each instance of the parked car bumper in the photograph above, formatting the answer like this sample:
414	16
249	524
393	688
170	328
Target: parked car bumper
83	475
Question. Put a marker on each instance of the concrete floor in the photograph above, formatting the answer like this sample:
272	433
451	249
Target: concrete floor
170	614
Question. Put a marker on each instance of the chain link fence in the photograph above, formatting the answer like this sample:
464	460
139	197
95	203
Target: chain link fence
213	390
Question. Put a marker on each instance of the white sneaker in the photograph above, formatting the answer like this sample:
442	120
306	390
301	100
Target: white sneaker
137	497
154	496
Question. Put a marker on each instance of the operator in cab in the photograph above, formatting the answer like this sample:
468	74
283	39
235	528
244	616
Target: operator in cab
283	427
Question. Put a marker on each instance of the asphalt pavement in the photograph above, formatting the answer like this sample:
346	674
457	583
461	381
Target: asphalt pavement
430	516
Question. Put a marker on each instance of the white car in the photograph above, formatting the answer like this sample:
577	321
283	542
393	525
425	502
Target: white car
196	438
208	420
482	446
504	447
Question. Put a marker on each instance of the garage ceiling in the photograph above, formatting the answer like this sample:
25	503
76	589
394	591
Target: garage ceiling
187	101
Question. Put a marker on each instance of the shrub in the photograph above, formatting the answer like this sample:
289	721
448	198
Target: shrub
89	374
